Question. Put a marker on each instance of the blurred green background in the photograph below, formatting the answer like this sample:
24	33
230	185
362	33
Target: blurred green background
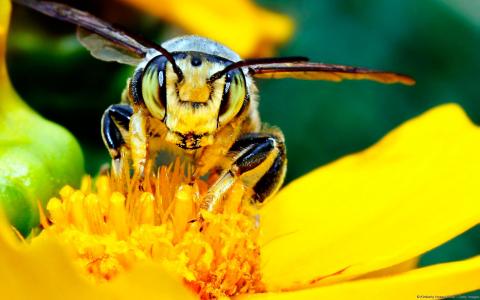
435	41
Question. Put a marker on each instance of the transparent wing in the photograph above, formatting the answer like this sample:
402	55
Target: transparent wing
105	50
320	71
102	39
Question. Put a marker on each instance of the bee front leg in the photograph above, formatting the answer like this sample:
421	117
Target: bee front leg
139	141
259	161
115	131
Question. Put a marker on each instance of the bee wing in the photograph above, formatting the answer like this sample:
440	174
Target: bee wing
321	71
102	39
106	50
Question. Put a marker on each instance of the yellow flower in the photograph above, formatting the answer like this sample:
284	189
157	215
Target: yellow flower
353	228
350	228
240	24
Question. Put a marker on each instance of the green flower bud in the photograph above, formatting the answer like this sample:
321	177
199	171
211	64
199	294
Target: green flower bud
37	157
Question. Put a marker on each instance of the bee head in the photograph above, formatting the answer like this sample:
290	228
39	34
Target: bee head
191	101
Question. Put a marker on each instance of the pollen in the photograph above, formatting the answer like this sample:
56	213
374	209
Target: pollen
112	224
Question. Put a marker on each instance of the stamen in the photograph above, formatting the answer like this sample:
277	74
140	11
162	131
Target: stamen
147	209
118	215
113	224
183	211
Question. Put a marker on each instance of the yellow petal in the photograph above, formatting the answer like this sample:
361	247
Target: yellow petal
414	190
40	271
240	24
5	8
149	281
43	270
435	282
395	269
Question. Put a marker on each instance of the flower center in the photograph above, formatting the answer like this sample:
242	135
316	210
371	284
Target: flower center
120	222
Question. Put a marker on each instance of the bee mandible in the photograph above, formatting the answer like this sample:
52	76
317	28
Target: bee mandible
197	97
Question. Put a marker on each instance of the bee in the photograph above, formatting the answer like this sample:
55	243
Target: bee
198	97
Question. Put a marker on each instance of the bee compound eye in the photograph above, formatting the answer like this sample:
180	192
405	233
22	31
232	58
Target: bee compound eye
233	96
153	87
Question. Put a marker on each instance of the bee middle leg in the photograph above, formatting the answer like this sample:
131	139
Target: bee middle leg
259	161
115	128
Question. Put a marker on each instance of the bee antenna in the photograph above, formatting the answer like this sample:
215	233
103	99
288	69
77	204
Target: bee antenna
257	61
168	56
